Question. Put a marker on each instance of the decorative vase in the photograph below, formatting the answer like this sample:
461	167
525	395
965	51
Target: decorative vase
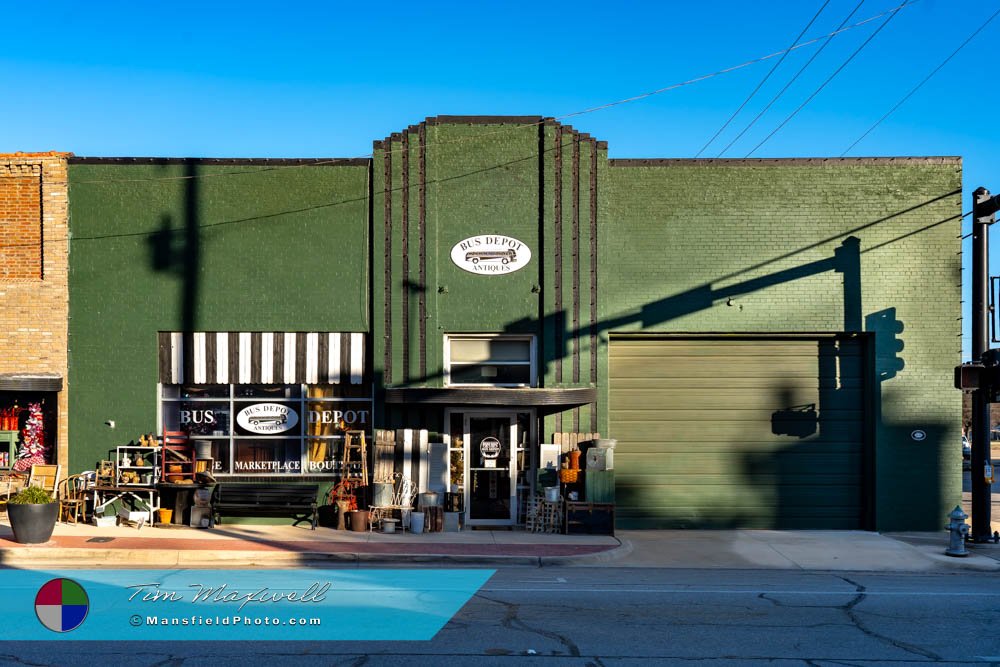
342	507
574	460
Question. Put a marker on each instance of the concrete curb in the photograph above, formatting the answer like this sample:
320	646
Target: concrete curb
170	558
624	548
935	552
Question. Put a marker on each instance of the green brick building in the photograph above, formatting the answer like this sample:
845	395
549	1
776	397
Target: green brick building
770	342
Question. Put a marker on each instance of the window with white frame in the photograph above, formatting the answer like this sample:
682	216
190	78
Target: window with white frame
269	429
491	360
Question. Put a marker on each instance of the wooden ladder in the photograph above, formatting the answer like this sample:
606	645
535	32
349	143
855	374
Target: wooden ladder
354	441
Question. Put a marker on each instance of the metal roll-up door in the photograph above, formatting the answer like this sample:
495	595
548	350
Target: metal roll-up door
739	432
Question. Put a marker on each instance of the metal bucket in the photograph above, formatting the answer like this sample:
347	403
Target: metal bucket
382	494
359	521
203	449
552	493
429	499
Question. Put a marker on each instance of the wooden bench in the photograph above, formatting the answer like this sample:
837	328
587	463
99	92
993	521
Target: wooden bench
296	501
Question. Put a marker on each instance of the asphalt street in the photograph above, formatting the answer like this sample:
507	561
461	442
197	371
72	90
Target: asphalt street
619	616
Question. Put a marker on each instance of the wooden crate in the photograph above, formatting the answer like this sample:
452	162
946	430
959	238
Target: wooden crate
543	516
584	517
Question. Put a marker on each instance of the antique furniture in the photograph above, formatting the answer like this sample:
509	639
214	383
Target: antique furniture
280	499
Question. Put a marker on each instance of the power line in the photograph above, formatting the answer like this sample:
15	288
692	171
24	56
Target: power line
925	80
788	85
699	79
829	79
601	107
762	81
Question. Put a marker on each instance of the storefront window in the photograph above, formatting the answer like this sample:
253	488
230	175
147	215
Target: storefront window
490	360
269	429
270	457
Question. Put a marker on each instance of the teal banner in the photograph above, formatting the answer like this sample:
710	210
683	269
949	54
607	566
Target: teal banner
265	605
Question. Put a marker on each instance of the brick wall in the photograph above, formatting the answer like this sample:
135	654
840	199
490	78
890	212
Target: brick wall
753	246
21	233
34	297
174	245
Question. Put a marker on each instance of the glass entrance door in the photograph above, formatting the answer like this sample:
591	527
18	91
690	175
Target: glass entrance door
490	455
491	497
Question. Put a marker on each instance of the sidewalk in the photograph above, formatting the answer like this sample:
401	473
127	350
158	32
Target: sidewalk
246	546
231	545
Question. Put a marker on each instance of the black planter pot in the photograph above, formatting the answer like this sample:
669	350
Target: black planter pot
33	524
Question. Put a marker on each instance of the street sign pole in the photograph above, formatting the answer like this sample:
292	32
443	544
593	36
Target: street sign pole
982	218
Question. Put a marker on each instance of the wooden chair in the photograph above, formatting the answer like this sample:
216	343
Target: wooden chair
10	483
178	457
73	498
46	476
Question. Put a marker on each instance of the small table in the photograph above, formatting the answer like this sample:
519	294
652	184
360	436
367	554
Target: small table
182	498
143	497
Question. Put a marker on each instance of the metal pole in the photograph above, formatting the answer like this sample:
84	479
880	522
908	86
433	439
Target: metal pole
981	501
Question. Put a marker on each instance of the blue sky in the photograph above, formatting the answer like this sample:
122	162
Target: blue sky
254	79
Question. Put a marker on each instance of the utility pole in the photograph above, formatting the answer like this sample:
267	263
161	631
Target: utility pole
983	209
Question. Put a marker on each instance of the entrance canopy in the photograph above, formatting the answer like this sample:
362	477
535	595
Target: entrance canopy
539	398
30	382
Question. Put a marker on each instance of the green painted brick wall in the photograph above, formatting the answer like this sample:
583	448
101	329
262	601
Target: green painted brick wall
281	248
679	239
480	178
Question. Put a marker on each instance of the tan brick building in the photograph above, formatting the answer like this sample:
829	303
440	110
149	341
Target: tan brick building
34	294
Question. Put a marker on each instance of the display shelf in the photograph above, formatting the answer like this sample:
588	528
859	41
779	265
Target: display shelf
132	475
8	449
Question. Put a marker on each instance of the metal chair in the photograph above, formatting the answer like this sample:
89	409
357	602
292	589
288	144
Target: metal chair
402	499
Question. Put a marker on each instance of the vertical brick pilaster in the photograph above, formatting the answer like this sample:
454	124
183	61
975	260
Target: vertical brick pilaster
34	291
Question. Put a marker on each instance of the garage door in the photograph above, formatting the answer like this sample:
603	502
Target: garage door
750	432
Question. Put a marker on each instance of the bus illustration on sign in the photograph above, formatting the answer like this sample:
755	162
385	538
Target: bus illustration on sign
267	418
490	254
502	256
257	420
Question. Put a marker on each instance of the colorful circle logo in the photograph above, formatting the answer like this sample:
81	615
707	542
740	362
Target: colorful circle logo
61	605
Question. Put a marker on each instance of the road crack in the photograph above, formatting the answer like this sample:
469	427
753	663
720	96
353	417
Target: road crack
512	621
859	624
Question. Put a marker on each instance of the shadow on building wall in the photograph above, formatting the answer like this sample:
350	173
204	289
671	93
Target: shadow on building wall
177	251
810	426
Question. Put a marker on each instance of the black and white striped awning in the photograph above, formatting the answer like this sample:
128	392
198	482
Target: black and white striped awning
226	357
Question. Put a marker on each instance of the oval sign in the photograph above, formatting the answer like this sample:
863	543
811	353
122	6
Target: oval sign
267	418
490	255
490	448
918	435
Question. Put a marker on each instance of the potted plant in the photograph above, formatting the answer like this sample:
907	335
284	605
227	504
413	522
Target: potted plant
32	514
